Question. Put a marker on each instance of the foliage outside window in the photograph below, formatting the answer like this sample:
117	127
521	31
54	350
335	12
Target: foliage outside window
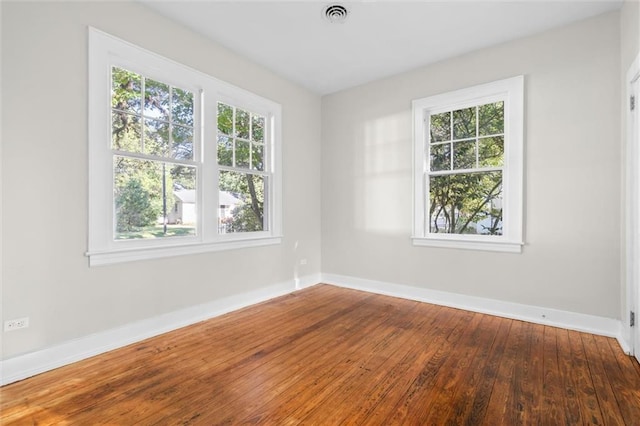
152	141
468	180
466	150
179	162
241	153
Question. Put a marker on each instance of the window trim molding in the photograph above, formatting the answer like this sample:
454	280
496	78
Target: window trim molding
108	257
511	90
104	51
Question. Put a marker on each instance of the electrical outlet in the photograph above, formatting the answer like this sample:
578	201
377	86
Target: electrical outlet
303	261
16	324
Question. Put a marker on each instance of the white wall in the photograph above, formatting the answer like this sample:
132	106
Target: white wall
571	260
629	50
44	171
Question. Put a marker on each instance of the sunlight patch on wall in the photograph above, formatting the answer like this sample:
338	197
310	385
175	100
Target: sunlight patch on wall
382	195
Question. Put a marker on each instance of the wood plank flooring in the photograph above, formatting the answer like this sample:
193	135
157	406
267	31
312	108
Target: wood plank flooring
333	356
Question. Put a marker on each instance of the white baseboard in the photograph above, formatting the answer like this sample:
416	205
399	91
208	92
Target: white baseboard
564	319
30	364
624	344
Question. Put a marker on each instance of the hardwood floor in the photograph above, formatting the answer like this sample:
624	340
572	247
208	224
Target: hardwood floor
332	356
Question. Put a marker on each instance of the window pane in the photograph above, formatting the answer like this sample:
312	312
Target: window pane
440	157
467	203
156	137
126	132
247	212
242	153
181	215
257	128
156	99
153	199
182	142
225	119
491	152
464	155
257	154
182	107
491	118
242	124
225	150
464	123
182	177
440	127
126	90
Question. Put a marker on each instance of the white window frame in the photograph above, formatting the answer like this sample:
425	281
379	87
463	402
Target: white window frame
511	91
106	51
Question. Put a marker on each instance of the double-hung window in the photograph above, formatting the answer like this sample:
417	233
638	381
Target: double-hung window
241	169
179	162
468	152
152	144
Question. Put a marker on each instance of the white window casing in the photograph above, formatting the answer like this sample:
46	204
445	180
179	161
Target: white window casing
105	52
511	92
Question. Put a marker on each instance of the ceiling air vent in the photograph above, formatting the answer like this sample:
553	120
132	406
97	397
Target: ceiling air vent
335	13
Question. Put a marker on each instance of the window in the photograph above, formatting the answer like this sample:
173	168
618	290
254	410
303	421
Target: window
179	162
468	167
241	153
152	136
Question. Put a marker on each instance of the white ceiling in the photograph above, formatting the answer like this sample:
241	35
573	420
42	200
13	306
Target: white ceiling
378	39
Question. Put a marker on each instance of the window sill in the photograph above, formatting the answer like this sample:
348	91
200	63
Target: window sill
499	246
108	257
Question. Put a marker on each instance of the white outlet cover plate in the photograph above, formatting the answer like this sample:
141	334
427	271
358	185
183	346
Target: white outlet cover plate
16	324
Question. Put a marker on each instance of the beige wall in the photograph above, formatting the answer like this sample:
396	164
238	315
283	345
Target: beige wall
44	165
629	32
572	175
